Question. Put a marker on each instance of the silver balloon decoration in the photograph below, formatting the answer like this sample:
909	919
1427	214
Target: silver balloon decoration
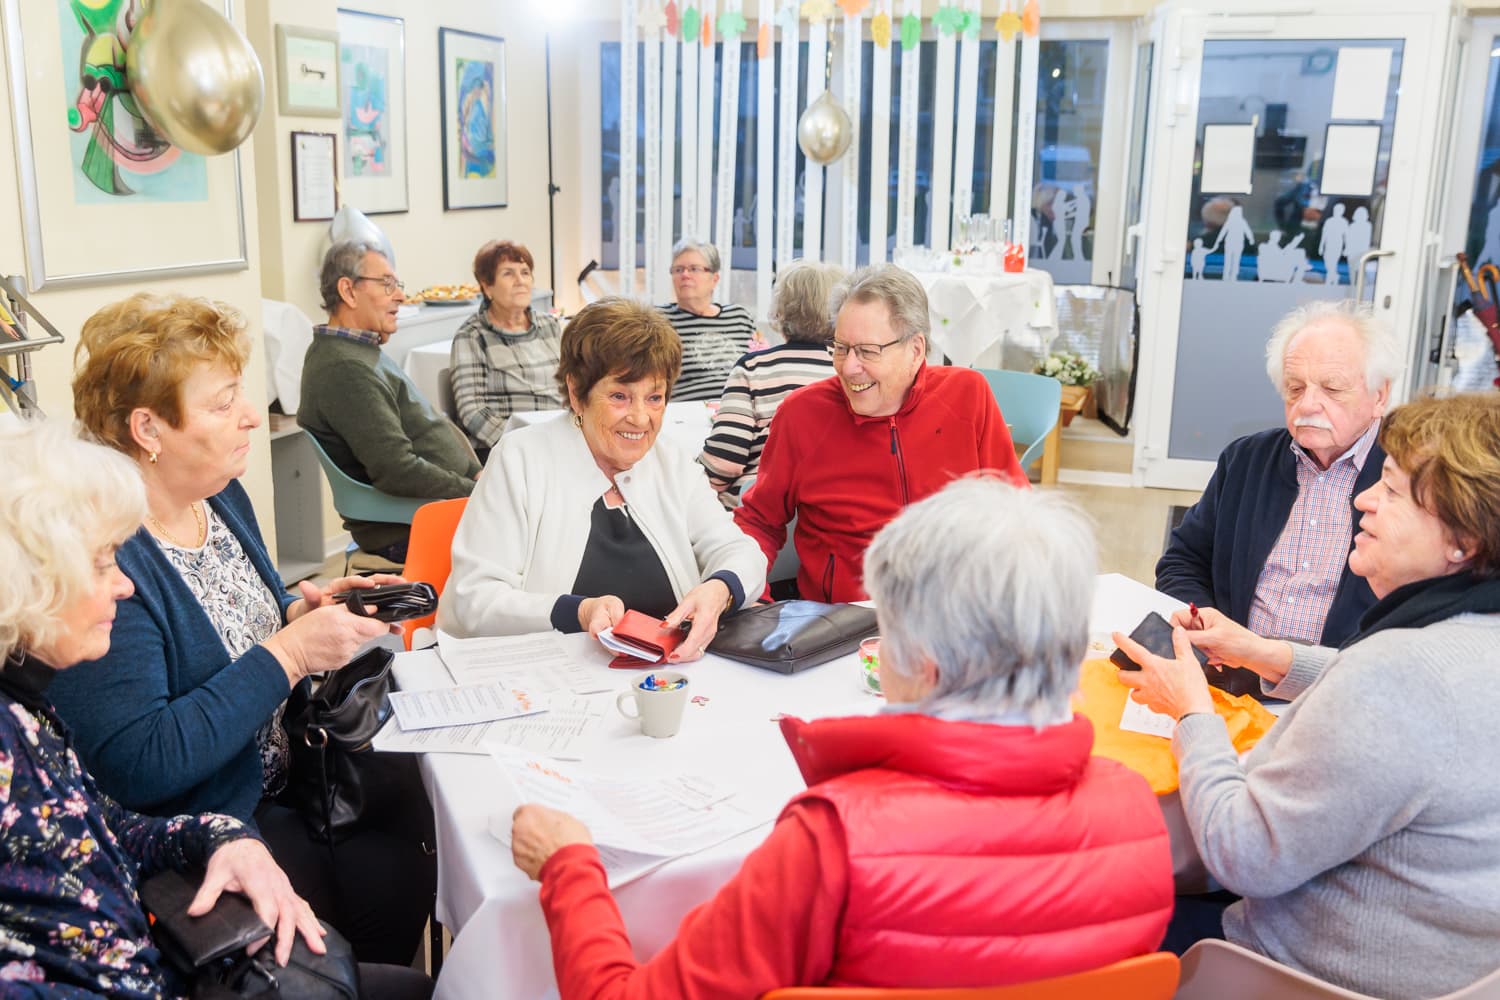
195	76
824	130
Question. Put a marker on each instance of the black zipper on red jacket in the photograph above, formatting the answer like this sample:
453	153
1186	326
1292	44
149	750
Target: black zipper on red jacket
900	463
828	580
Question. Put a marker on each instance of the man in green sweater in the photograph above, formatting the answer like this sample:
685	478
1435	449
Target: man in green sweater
363	410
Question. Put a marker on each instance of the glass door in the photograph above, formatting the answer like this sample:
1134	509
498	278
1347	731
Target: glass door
1294	171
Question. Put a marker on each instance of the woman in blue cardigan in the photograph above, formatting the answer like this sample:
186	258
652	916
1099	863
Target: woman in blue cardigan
184	712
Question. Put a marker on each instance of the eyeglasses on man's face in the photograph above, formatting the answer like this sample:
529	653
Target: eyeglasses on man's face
681	269
387	281
867	353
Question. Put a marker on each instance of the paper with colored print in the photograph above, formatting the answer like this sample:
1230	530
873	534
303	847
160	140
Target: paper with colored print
462	706
539	662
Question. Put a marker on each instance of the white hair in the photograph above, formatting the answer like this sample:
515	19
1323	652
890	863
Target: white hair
1382	352
900	291
62	501
707	251
993	585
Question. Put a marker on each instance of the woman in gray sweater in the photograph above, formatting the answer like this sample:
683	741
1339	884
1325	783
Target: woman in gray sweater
1363	832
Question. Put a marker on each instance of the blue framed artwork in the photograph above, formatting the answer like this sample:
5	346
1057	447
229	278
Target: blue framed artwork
473	119
372	92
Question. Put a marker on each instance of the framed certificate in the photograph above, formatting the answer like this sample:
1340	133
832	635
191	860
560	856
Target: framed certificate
315	194
307	71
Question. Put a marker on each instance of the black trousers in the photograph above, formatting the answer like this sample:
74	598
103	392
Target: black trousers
374	887
392	982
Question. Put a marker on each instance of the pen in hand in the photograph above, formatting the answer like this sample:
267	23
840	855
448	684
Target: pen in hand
1195	620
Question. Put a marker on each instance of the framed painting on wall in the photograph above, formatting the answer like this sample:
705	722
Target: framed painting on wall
473	119
307	71
104	196
372	88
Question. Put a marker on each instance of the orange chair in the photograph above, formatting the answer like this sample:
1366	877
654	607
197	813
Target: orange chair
1145	977
429	553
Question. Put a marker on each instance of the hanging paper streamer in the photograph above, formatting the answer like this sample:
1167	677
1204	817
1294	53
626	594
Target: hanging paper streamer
968	101
629	88
707	75
668	177
906	135
1008	23
1025	142
730	24
1031	18
997	200
848	200
786	142
940	204
651	20
688	141
765	158
812	173
911	29
880	133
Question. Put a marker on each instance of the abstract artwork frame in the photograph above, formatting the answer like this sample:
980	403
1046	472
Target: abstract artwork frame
372	96
472	92
127	204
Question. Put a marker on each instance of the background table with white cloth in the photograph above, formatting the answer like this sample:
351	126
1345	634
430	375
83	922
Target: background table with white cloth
998	320
424	364
501	948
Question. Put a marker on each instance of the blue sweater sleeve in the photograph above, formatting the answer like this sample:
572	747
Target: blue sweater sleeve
1186	569
147	740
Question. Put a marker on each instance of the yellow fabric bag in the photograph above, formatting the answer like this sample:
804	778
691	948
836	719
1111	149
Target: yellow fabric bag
1101	697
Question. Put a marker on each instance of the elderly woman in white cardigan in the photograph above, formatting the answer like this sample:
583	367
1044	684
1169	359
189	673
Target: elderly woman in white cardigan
577	519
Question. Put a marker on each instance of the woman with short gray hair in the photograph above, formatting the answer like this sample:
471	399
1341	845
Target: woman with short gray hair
713	336
965	836
1012	655
760	381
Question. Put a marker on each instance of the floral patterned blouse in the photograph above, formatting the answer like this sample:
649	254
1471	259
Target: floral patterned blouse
71	923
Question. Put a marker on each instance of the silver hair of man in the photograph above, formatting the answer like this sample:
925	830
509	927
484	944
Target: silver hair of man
709	252
343	260
62	501
799	308
898	288
993	585
1382	351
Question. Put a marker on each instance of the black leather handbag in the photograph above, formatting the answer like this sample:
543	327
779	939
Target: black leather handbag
338	783
209	952
789	636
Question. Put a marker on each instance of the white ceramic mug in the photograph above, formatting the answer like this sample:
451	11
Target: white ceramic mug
659	708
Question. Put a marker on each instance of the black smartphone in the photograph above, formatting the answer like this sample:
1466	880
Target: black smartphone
394	603
1155	633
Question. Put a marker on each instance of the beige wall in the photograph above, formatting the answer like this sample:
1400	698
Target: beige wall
68	307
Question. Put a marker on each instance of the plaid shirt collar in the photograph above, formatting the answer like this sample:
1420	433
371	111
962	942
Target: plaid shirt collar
348	333
1357	453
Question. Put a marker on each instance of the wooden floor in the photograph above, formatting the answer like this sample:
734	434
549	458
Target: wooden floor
1129	523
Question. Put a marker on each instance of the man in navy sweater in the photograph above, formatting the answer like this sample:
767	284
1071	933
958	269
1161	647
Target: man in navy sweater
1268	543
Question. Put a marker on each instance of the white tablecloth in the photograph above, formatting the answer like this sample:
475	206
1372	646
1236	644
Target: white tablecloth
501	948
979	320
422	366
687	423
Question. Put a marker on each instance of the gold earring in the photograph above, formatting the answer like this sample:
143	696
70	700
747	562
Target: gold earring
578	420
151	457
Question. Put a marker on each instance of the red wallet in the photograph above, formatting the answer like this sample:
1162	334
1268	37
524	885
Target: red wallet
646	634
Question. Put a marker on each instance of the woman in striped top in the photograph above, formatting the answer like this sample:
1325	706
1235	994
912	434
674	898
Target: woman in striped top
760	381
713	336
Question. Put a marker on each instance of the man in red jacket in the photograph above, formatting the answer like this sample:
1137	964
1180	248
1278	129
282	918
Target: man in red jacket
965	836
845	454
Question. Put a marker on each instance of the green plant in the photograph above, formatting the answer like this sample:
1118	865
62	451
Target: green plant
1068	368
